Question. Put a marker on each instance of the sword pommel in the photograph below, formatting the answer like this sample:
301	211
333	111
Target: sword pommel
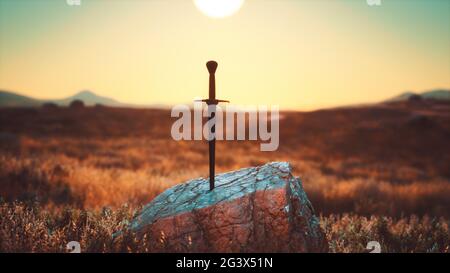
212	67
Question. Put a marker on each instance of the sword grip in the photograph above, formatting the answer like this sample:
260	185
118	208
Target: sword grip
212	67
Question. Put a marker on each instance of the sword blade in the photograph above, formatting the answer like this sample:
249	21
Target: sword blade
212	151
212	159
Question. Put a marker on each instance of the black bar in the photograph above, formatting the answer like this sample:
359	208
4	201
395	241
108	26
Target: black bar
265	262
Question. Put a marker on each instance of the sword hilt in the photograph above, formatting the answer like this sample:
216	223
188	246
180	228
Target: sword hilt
212	67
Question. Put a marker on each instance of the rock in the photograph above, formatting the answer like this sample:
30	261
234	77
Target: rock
260	209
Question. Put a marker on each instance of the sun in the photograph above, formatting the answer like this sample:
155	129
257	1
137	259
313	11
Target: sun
219	8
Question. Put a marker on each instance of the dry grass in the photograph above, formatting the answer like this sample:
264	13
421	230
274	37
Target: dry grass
351	233
28	228
108	176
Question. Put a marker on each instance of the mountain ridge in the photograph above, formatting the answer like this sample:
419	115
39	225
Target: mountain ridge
13	99
437	94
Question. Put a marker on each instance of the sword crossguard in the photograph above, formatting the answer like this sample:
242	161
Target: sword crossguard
211	102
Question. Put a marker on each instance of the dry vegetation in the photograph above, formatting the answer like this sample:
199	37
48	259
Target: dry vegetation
81	175
29	228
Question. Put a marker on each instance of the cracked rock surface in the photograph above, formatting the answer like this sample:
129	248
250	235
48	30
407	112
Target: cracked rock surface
259	209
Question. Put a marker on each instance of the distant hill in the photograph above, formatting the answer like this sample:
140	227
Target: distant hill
439	94
10	99
89	98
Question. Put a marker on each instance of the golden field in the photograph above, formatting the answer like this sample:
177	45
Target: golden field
376	172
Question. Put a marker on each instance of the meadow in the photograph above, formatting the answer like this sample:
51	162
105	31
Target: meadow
372	173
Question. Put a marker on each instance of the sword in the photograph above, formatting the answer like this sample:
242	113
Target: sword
212	67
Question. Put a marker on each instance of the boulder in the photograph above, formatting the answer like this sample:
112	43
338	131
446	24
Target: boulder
259	209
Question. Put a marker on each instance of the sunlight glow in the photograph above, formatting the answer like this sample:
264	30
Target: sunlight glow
219	8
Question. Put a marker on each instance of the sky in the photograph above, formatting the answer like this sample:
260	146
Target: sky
298	54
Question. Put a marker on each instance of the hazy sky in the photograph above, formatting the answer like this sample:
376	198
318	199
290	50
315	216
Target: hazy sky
299	54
